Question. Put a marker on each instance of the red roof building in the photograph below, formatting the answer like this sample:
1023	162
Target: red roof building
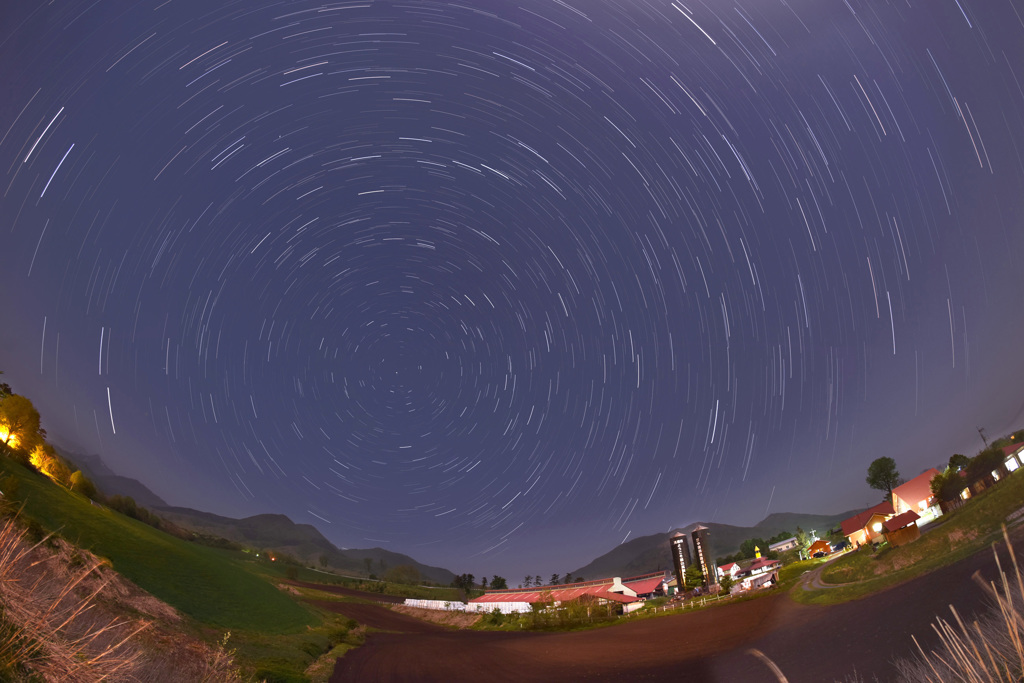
607	590
1014	456
821	545
901	521
732	570
760	566
901	529
916	494
866	527
645	585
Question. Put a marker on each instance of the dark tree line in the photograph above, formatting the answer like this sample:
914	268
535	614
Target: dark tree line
468	582
555	580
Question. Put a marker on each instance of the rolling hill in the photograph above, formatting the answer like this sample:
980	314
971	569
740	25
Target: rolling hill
302	541
110	483
651	553
266	531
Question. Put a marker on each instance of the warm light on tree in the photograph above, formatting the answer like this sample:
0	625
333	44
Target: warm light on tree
19	421
8	438
46	460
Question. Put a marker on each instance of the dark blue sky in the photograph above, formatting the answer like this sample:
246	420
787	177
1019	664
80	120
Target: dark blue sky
500	285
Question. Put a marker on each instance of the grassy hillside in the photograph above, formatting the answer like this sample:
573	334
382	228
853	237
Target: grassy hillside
789	521
212	586
302	541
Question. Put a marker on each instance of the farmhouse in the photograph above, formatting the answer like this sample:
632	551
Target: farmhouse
732	570
761	565
1014	456
915	495
624	592
866	527
783	546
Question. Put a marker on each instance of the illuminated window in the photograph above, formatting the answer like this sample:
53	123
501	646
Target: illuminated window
877	527
1012	465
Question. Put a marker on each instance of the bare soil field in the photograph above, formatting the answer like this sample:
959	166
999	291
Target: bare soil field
809	643
379	617
454	619
349	592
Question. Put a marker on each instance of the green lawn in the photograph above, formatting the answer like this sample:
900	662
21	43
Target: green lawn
961	533
216	587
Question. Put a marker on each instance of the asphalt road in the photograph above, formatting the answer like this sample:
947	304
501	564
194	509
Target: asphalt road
808	643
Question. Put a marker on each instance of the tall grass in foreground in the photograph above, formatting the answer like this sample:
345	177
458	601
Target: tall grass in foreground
47	624
65	617
988	650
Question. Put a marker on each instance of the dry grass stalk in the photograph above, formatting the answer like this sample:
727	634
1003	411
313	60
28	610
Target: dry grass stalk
49	623
64	617
990	649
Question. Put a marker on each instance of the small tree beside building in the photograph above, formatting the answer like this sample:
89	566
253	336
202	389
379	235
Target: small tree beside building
883	475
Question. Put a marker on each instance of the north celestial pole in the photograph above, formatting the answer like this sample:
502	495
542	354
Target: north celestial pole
500	285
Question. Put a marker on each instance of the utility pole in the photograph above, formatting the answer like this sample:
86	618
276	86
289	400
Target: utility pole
981	432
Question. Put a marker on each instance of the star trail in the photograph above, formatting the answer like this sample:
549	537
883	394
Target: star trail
501	284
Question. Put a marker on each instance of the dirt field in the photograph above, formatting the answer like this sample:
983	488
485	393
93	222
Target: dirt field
350	593
810	644
453	618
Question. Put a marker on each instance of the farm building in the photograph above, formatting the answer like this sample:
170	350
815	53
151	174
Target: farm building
761	565
783	546
732	570
624	592
901	529
762	580
915	495
819	546
866	527
1014	456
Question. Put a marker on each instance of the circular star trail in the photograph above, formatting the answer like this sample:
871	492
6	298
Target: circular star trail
462	278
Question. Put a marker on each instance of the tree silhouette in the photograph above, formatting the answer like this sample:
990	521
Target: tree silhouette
883	475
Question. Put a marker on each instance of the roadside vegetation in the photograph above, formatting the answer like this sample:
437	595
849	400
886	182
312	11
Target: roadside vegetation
989	649
575	615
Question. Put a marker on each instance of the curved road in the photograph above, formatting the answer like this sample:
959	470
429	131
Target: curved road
808	643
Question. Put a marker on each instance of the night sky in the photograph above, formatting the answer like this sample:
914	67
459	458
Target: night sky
501	284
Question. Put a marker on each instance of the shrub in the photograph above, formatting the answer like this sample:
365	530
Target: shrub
82	484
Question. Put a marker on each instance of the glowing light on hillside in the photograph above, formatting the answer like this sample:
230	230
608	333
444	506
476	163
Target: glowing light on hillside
45	463
6	436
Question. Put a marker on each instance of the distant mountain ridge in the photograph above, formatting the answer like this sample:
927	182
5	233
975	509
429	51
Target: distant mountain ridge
651	553
110	483
302	541
266	531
